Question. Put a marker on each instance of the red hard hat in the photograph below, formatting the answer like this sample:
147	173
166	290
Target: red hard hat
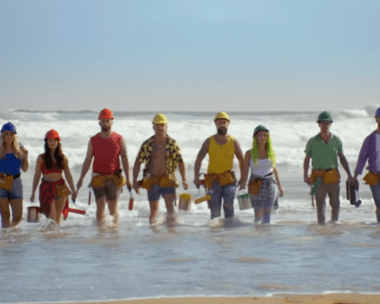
52	134
105	114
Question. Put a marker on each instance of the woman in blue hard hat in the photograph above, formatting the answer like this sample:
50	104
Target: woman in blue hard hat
12	159
264	183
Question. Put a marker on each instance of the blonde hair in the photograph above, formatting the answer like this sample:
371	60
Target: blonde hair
15	145
268	147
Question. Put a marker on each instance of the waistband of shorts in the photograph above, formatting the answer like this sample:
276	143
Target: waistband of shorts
14	176
265	176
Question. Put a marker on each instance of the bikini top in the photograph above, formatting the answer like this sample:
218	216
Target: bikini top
54	168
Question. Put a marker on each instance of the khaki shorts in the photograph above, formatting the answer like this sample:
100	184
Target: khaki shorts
110	191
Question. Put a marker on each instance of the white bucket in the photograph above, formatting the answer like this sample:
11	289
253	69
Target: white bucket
33	214
244	201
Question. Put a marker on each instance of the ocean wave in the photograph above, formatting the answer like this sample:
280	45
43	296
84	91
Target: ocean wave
28	115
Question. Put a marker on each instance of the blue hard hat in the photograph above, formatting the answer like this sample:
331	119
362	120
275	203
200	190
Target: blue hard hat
9	127
377	114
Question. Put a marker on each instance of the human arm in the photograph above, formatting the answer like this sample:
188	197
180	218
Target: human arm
244	174
69	178
24	159
306	163
239	156
362	159
198	162
125	163
182	171
136	171
281	194
345	165
36	178
86	164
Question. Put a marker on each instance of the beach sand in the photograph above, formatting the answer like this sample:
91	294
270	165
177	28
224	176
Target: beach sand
336	298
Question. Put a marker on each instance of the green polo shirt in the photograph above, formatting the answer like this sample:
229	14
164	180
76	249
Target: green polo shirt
324	156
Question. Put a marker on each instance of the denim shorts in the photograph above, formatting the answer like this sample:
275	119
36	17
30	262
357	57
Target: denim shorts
267	195
156	191
376	194
16	191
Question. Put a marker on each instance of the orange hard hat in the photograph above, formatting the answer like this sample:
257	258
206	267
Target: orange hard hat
105	114
52	134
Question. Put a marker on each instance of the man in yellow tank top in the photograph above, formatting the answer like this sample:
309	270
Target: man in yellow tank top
220	179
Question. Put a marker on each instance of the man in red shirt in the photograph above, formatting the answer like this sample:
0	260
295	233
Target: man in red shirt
106	147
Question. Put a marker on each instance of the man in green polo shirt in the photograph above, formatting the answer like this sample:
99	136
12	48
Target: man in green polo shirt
324	150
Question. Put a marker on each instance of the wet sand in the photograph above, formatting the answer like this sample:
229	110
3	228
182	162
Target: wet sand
336	298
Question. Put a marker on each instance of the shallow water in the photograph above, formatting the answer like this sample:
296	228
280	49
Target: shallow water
81	261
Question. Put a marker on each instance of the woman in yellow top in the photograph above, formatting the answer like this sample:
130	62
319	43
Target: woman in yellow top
264	183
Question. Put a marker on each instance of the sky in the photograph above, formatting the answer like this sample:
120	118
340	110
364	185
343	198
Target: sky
138	55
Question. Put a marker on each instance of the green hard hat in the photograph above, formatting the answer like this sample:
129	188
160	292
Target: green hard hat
259	128
325	116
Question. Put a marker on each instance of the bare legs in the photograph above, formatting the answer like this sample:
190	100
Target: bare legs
112	208
169	202
16	206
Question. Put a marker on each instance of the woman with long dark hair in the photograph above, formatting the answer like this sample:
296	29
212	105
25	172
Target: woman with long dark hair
53	190
264	183
12	159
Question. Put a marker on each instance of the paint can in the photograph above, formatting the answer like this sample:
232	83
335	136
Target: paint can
185	201
33	214
245	201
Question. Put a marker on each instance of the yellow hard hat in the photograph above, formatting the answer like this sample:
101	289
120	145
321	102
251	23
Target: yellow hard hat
159	119
222	115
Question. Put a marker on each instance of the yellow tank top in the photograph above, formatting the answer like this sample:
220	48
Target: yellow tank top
221	157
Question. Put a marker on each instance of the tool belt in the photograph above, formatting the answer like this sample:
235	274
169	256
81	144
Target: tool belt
224	179
62	190
328	176
99	180
6	180
162	180
371	178
254	184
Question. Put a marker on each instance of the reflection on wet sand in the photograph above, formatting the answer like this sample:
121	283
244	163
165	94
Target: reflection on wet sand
274	287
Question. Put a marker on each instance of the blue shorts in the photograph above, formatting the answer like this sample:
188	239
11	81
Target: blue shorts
156	191
15	192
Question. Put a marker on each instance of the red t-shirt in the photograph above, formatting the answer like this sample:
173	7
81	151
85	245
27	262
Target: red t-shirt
106	153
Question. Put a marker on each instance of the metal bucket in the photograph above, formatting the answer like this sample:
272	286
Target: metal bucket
185	201
33	214
244	201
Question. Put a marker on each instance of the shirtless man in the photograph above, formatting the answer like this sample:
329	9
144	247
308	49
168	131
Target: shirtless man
220	179
106	148
161	155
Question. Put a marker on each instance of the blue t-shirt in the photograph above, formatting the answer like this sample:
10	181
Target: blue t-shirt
10	164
